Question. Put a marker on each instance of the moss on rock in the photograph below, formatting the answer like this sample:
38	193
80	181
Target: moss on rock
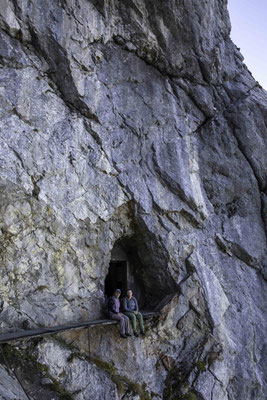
177	386
122	382
201	366
26	364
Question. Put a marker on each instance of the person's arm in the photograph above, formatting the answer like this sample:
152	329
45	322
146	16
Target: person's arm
124	304
111	305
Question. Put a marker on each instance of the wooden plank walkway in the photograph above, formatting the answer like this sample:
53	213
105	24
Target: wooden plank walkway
12	336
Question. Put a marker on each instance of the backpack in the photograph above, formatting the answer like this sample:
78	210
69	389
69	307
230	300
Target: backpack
107	304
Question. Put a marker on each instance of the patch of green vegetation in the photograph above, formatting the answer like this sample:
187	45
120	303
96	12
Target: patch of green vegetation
73	356
187	396
109	368
177	386
121	387
41	288
21	358
122	382
201	366
213	356
135	388
154	395
10	352
56	387
42	368
175	375
18	35
26	358
51	84
84	68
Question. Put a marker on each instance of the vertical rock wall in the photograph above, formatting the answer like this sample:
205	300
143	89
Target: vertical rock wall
133	120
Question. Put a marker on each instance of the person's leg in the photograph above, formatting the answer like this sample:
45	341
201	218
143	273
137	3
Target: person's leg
126	325
141	322
133	319
122	322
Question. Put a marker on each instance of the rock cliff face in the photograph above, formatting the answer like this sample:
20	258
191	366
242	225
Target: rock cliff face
133	124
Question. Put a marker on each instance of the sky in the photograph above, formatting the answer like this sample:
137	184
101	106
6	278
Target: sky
249	32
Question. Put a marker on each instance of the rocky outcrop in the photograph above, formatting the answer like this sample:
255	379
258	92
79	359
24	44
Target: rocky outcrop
132	123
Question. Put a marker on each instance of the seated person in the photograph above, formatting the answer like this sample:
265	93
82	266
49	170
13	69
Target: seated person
131	309
114	313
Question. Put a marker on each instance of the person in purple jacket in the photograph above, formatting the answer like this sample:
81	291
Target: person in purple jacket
131	309
114	313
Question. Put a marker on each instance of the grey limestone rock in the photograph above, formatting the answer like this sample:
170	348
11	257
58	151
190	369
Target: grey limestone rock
10	388
133	124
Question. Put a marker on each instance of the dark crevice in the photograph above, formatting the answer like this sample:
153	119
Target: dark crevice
60	73
36	189
99	6
17	9
173	185
262	190
189	95
208	120
161	71
70	95
15	112
19	157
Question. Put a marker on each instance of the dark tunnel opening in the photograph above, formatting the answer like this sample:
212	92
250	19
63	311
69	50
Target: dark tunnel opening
141	268
116	278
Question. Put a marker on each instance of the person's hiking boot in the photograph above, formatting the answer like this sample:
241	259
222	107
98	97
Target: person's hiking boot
136	334
128	334
143	333
123	336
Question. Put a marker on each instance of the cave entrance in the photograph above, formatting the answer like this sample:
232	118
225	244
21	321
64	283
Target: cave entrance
116	278
141	266
123	272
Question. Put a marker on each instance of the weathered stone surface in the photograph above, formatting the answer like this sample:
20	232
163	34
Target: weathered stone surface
134	122
75	374
10	388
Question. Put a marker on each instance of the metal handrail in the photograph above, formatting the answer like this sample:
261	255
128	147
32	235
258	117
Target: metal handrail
20	335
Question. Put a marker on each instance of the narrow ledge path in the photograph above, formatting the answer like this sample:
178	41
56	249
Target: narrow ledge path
20	335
